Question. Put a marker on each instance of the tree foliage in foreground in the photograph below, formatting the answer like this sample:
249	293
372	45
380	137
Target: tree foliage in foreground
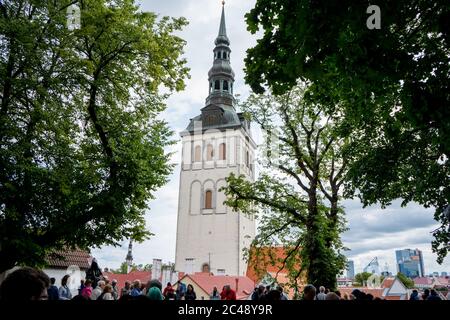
392	86
81	148
296	196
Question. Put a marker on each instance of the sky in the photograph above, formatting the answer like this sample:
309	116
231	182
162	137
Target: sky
373	232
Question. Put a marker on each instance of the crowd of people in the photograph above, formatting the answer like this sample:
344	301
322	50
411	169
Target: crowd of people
33	284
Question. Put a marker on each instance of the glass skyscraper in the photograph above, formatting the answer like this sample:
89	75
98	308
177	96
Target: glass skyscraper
410	262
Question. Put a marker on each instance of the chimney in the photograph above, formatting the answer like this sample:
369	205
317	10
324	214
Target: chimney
237	285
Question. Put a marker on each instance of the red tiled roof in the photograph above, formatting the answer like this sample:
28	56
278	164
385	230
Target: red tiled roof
422	281
260	262
64	259
143	276
387	282
207	282
376	293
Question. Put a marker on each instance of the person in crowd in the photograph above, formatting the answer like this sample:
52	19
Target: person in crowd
309	292
338	293
426	294
369	296
107	293
80	297
98	290
126	290
190	293
258	293
94	273
321	295
346	296
52	291
230	294
169	292
64	291
283	296
414	295
332	296
25	284
136	291
215	295
223	293
433	296
81	287
181	290
272	295
87	290
115	289
154	293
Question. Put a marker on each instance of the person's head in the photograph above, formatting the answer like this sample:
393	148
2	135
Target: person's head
52	281
101	284
345	296
25	284
155	283
94	264
261	288
274	295
154	293
309	292
137	284
227	288
280	289
433	292
190	288
114	282
267	288
321	289
415	292
88	283
338	293
79	297
215	289
107	288
369	296
169	284
64	280
127	284
356	295
332	296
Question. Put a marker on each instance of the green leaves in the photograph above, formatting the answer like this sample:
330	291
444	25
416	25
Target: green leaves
79	134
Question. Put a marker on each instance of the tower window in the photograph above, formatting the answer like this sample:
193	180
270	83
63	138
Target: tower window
208	199
210	86
222	151
197	154
225	86
247	159
209	152
224	55
219	55
217	85
231	86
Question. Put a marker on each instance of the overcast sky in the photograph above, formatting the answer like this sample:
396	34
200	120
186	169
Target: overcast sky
373	232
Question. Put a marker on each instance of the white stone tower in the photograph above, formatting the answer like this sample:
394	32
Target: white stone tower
210	236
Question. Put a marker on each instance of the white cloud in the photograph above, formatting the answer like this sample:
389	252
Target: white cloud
373	232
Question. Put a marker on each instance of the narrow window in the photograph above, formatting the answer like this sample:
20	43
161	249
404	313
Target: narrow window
225	86
219	56
209	152
208	199
222	151
197	154
217	85
224	55
247	159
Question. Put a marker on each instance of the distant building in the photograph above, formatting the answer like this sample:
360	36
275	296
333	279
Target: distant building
350	269
435	274
410	262
373	266
443	274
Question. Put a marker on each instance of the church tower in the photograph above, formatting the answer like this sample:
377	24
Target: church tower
210	236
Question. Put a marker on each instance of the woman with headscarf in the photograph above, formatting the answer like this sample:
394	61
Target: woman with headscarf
94	273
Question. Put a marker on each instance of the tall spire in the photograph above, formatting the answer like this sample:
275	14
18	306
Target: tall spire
223	27
221	75
129	257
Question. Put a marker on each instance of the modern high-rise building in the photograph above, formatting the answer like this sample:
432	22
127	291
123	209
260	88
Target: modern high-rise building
410	262
350	269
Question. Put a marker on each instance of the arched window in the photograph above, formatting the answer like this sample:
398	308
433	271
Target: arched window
224	54
198	154
217	85
222	151
208	199
209	152
219	55
231	85
225	85
210	87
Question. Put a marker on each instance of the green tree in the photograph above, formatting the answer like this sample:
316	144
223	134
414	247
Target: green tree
392	85
81	147
407	282
361	278
297	193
